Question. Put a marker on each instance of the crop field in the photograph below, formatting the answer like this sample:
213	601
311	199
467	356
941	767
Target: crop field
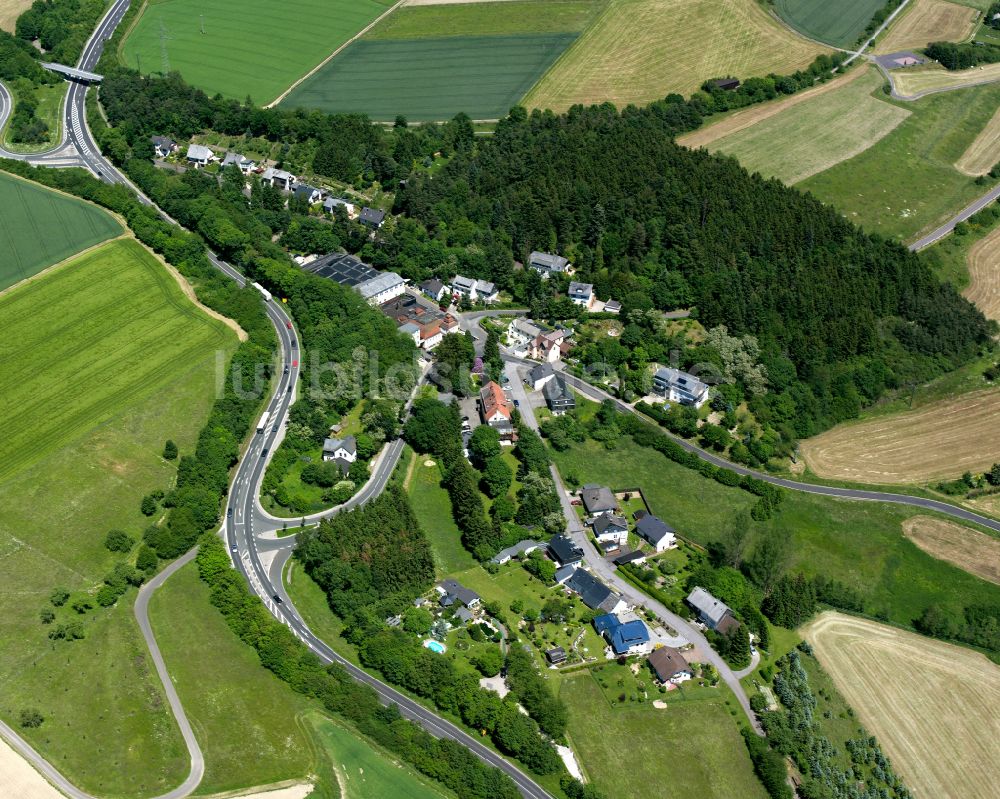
688	749
640	50
10	10
928	21
70	351
975	552
932	705
907	183
817	134
839	24
39	228
984	153
911	82
939	440
984	275
223	46
431	78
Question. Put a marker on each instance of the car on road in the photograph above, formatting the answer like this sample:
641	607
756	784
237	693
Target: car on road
263	452
295	363
517	403
288	324
234	548
286	369
274	429
289	389
276	598
229	513
295	344
575	502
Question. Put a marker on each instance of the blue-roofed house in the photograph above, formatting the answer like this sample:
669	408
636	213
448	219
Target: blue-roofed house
625	638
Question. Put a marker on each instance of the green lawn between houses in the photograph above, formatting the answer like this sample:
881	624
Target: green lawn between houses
39	228
839	24
90	392
223	46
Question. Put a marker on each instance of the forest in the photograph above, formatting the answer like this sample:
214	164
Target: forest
962	56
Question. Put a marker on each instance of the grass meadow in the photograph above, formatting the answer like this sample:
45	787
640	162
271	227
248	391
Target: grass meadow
39	228
433	507
640	50
224	46
431	78
90	392
859	543
817	134
839	24
907	183
691	748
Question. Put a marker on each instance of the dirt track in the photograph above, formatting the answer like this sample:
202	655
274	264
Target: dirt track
970	550
932	705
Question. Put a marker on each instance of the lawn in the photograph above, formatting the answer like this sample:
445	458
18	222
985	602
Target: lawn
223	46
858	543
689	749
39	228
311	604
104	412
840	24
907	183
640	50
817	134
431	78
433	507
247	721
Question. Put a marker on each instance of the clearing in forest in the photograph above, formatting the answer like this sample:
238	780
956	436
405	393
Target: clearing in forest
40	227
839	24
971	550
641	50
937	441
932	705
984	153
817	134
927	21
244	47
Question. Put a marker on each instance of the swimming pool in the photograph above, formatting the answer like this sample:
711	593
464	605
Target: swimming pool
435	646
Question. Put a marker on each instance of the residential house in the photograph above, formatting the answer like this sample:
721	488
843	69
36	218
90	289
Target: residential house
434	289
581	294
518	550
411	331
611	528
563	551
279	178
244	164
625	638
714	613
454	593
558	397
555	656
521	336
474	290
678	386
464	615
669	666
344	448
310	194
563	573
494	407
163	146
332	203
541	375
595	594
200	156
384	286
636	556
372	217
432	323
548	347
656	532
612	306
547	264
598	500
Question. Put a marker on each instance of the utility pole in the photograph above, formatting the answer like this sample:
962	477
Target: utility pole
202	18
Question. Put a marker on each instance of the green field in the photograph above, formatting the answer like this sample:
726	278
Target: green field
858	543
637	752
240	38
907	183
39	228
248	722
817	134
840	24
433	507
431	78
94	453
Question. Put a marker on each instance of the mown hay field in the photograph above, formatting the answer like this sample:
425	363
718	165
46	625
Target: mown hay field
815	135
970	550
10	10
937	441
430	79
911	82
104	359
39	228
984	153
927	21
640	50
931	705
248	47
984	275
839	24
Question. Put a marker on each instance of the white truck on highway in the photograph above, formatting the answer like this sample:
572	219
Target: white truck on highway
266	294
262	424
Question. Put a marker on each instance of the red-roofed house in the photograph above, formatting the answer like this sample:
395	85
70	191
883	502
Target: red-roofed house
494	407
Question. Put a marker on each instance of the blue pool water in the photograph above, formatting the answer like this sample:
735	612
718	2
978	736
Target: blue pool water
434	646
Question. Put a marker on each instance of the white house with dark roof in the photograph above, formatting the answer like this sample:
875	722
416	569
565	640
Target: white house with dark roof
546	263
612	306
200	156
656	532
712	612
163	146
434	289
244	164
677	386
611	529
344	448
310	194
581	294
372	217
558	397
332	203
454	593
541	375
381	288
279	178
598	500
518	550
474	290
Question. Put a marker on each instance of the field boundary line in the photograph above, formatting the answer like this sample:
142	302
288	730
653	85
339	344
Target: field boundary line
62	263
120	50
336	52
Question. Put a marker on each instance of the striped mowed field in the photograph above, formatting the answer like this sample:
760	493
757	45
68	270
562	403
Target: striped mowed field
39	228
